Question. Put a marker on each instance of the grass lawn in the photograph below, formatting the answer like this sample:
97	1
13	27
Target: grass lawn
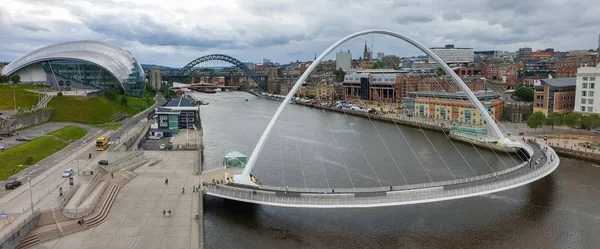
70	133
38	148
25	99
95	110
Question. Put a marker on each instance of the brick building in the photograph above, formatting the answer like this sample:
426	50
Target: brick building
555	95
568	66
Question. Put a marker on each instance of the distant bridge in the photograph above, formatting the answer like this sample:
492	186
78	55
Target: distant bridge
188	73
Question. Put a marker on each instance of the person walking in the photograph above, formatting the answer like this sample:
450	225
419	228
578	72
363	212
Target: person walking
169	213
112	175
166	181
164	213
183	190
194	189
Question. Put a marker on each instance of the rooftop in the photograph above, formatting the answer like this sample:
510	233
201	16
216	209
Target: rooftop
560	82
457	95
180	102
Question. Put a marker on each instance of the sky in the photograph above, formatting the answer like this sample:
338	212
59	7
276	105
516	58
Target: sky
173	33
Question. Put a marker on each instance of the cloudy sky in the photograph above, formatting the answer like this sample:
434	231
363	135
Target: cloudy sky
172	33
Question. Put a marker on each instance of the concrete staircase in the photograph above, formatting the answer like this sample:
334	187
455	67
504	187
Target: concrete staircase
72	226
44	101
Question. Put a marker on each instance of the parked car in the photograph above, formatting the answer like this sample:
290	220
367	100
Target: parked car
13	184
597	131
23	139
1	147
169	146
68	172
162	146
154	137
103	162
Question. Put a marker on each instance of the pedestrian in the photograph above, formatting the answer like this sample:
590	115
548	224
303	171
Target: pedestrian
112	175
166	181
391	188
193	189
90	156
164	213
286	189
214	181
169	213
82	221
79	222
183	190
332	191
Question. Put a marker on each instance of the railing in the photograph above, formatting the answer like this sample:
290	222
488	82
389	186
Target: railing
62	201
90	187
86	210
399	196
15	231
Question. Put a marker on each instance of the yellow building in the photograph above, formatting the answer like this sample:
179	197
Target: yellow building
317	91
454	107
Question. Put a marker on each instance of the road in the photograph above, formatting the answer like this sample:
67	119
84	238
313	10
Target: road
38	131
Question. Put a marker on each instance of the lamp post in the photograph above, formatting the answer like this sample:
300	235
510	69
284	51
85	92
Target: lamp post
30	193
14	96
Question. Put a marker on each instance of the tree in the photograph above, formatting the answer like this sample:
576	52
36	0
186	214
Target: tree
339	75
524	93
111	95
591	121
573	119
439	71
4	79
536	120
124	101
29	160
555	118
15	79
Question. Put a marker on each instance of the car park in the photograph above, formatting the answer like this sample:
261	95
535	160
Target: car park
13	184
68	172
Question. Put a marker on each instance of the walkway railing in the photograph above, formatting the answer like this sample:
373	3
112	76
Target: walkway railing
428	193
15	231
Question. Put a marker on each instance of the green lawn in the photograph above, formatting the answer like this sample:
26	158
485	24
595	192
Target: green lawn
95	110
39	148
70	133
25	99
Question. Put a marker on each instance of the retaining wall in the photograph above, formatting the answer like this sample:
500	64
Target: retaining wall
31	119
583	155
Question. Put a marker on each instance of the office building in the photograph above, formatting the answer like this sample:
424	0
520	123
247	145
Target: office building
453	55
586	98
554	95
343	60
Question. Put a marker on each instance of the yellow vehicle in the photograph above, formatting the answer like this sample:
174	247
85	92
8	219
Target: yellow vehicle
101	143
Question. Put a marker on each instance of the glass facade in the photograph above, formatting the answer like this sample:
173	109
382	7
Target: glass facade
90	63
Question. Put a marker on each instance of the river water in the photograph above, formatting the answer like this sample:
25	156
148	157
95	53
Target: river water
313	148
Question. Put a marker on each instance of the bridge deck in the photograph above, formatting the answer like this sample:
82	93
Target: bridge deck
402	195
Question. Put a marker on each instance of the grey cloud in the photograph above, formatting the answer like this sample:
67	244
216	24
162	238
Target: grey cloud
452	15
33	27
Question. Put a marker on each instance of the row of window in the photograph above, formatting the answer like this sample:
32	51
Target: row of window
569	97
539	96
587	93
589	101
585	85
564	106
589	78
589	109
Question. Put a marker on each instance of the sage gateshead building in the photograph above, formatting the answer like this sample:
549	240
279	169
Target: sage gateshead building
81	65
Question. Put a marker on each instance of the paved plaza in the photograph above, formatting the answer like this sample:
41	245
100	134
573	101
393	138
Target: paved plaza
136	219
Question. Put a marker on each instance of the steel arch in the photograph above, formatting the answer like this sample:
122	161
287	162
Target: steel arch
244	177
260	80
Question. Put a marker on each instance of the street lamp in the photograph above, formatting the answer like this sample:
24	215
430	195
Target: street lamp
14	96
30	193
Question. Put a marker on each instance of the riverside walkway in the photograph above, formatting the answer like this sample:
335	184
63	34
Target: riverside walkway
519	175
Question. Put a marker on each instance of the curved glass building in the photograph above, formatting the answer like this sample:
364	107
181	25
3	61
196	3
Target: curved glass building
81	64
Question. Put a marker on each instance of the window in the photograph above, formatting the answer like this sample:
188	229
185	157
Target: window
590	109
592	85
583	101
583	108
585	78
591	93
583	93
590	101
584	85
592	78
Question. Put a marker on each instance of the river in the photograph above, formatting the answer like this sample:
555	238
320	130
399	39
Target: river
312	148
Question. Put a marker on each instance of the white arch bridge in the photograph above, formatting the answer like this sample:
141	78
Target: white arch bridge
539	161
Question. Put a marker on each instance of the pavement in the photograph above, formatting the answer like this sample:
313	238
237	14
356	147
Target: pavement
136	220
